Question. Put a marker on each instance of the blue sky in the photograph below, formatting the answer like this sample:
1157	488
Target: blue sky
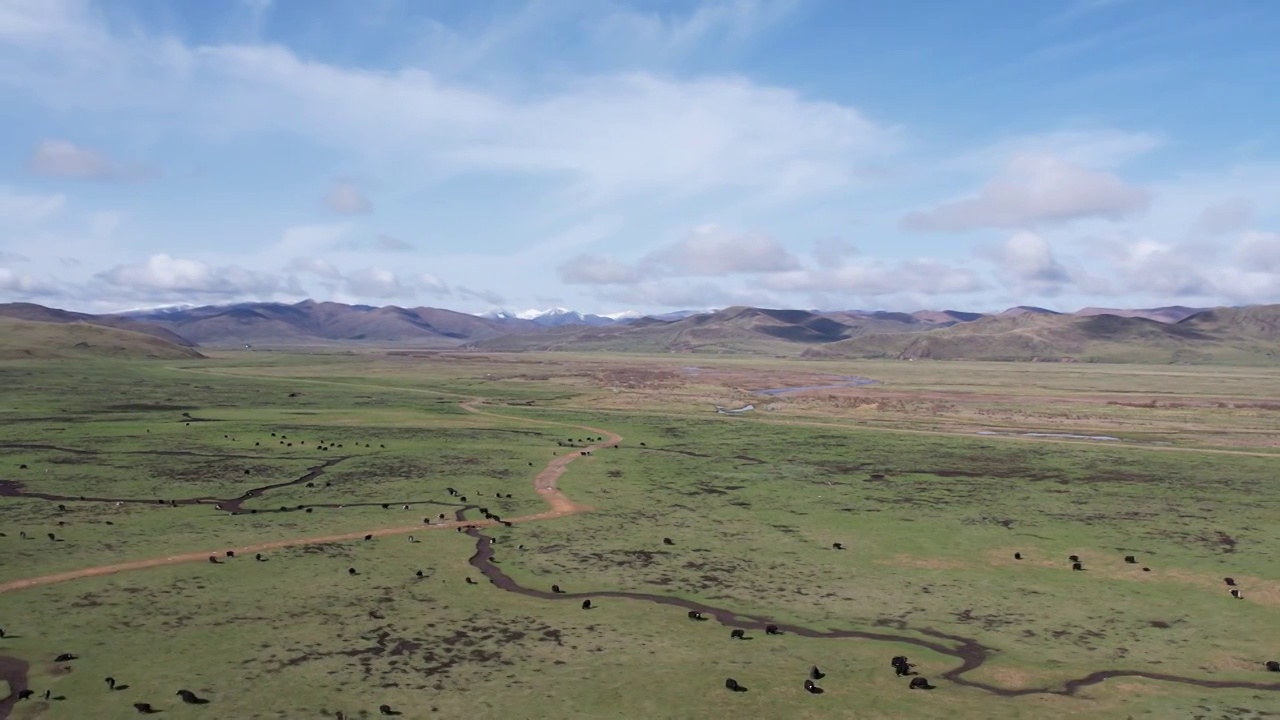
640	155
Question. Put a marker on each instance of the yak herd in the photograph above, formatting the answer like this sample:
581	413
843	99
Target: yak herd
900	664
1078	565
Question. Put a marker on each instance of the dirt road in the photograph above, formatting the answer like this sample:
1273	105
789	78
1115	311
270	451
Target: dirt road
544	483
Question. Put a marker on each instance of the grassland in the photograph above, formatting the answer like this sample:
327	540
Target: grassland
929	513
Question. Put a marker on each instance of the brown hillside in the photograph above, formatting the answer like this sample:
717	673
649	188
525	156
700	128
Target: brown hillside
22	339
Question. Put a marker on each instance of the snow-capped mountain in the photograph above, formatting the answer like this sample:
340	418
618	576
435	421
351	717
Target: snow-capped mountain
555	317
160	310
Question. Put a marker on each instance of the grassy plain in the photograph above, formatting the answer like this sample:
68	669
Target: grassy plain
929	511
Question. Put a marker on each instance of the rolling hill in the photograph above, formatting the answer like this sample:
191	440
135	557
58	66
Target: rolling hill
1166	334
40	313
310	323
23	339
732	330
1221	335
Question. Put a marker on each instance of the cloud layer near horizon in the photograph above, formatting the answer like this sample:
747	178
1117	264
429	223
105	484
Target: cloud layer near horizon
244	169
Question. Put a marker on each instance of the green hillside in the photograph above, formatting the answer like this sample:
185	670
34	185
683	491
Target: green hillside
23	339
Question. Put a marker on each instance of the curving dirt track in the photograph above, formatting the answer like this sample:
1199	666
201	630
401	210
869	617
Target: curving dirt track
544	483
968	651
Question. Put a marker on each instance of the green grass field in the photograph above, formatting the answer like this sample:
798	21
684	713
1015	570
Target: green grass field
929	513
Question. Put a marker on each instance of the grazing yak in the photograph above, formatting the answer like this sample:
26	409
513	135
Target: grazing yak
191	698
586	604
1017	556
66	657
738	634
144	708
815	673
811	688
1236	594
1273	666
1130	559
25	694
1229	581
733	685
470	581
919	683
695	615
386	709
556	589
772	629
837	546
1074	558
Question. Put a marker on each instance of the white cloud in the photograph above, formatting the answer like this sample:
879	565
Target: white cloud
488	296
376	283
613	35
103	225
713	251
1032	191
706	251
39	20
1244	271
314	266
22	208
345	197
1231	215
591	269
1028	258
433	285
162	275
662	36
308	240
831	252
1259	252
603	137
685	295
1095	148
25	285
391	244
9	258
876	278
63	159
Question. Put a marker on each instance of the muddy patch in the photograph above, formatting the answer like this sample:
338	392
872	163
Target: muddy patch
14	673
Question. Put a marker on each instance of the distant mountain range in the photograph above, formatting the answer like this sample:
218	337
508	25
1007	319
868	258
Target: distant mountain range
1165	334
556	317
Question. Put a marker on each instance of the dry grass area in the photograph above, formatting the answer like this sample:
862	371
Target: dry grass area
1192	406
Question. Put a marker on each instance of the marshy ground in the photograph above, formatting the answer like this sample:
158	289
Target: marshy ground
294	457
